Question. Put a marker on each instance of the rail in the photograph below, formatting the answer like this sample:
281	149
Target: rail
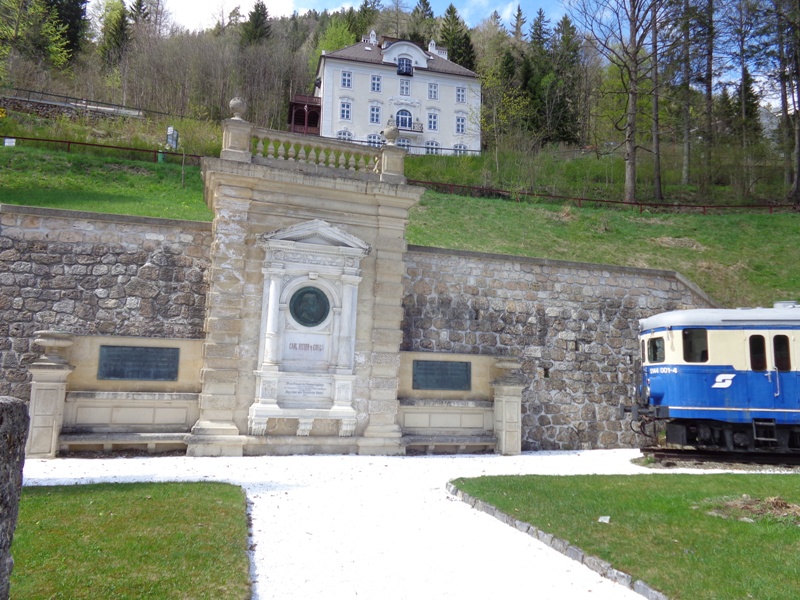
524	196
69	143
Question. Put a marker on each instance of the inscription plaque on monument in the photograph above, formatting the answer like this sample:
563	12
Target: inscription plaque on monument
141	363
441	375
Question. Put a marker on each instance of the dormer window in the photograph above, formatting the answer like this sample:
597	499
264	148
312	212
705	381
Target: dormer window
404	66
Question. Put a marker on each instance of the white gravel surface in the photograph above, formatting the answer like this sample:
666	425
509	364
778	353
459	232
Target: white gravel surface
381	528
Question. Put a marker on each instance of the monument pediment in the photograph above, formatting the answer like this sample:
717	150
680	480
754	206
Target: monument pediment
317	233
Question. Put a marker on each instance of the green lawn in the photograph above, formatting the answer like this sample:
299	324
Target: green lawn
138	540
682	534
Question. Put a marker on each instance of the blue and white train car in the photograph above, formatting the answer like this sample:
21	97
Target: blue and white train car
724	378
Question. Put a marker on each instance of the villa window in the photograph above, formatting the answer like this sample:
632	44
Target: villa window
347	79
432	147
461	95
404	66
345	110
405	87
433	121
375	84
461	124
433	91
403	119
375	115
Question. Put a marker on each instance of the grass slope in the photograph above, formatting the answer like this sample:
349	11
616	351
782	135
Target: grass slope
740	259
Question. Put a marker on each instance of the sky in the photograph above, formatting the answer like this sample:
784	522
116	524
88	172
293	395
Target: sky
202	14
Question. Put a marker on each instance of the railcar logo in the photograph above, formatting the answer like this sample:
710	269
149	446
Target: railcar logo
723	381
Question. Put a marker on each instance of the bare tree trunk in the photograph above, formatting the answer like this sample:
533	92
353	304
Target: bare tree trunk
687	94
786	123
658	193
705	180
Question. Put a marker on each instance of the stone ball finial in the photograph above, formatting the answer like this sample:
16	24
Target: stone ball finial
238	107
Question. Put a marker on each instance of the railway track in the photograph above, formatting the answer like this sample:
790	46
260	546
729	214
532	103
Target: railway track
666	455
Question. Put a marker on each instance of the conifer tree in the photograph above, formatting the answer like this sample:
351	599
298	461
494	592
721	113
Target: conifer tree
455	37
257	28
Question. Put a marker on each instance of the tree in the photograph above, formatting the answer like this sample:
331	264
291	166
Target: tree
491	42
30	30
517	29
422	25
256	29
139	12
337	35
454	36
72	15
115	33
620	30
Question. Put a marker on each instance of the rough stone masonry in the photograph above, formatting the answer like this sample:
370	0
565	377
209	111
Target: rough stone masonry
13	431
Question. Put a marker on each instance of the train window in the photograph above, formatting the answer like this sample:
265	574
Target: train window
758	353
695	345
655	350
780	346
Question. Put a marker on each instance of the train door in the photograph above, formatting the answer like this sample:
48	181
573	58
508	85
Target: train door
772	381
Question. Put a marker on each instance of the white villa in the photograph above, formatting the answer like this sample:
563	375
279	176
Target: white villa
434	102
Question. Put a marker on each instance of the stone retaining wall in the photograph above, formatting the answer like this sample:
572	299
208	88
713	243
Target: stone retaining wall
88	273
13	431
572	325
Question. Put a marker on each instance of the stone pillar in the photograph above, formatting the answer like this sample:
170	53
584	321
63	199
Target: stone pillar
48	392
216	433
13	428
508	409
383	434
236	134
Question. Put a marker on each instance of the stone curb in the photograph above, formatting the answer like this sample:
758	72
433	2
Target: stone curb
563	546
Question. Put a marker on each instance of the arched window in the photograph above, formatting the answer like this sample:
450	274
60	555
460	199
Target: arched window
460	150
404	143
375	140
344	135
432	147
403	119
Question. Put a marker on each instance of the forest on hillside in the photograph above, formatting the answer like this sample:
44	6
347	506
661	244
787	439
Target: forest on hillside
717	82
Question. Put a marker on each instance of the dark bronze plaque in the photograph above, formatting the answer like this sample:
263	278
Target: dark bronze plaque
139	363
441	375
309	306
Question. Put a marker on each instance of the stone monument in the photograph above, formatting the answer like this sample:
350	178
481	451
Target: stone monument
304	306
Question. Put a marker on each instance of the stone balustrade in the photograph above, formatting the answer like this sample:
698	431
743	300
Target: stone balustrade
245	142
312	150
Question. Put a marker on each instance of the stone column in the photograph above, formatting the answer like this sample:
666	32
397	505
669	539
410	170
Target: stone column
48	392
508	409
274	279
13	428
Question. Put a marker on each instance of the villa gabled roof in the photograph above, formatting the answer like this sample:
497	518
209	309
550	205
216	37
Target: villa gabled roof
365	52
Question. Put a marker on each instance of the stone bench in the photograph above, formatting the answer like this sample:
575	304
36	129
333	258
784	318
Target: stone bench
108	442
450	444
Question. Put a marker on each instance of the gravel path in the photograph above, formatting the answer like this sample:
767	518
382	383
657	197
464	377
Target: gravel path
348	527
